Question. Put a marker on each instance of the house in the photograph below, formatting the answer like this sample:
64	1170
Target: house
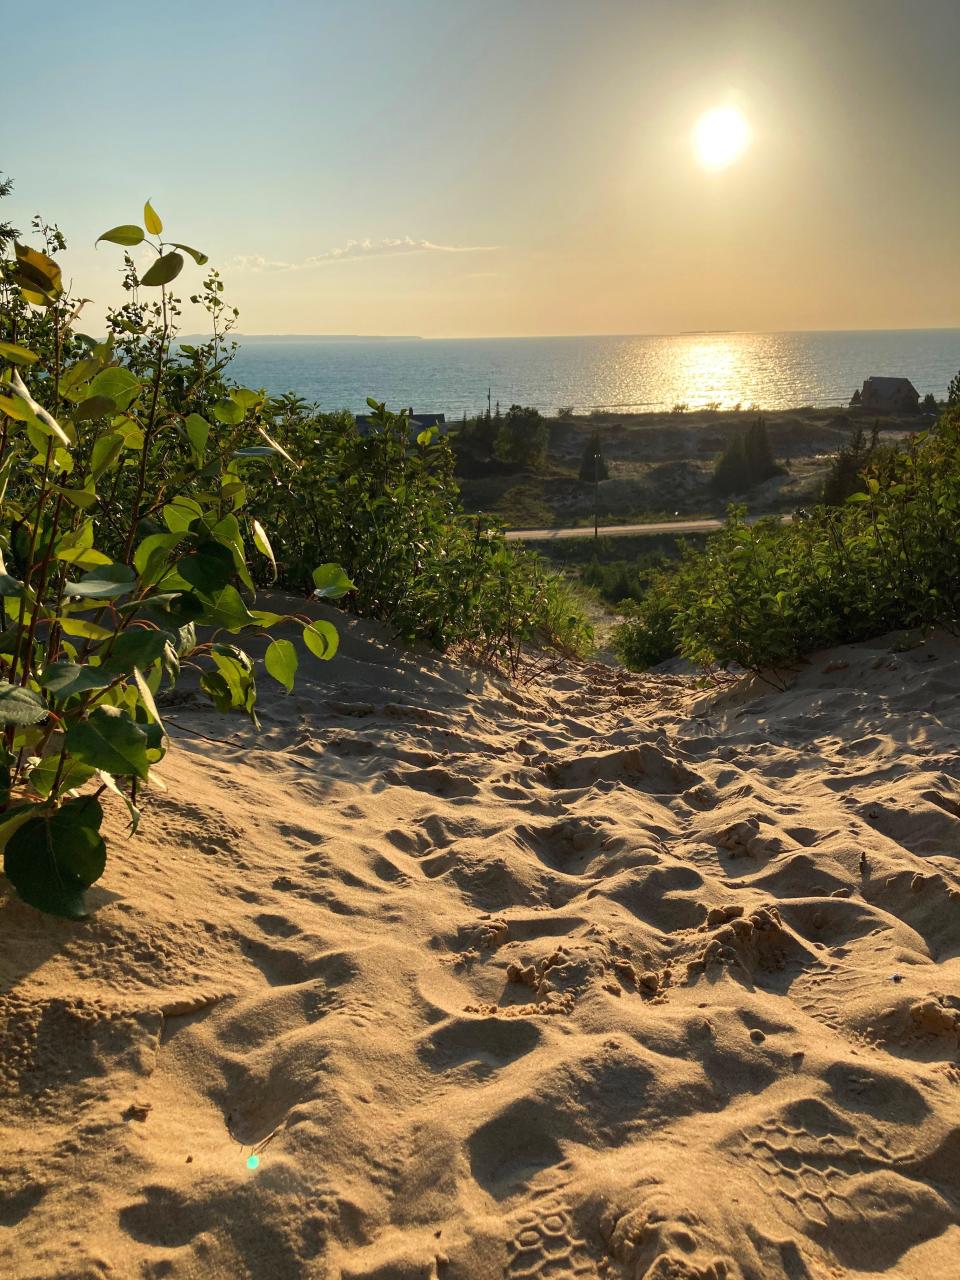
887	395
418	421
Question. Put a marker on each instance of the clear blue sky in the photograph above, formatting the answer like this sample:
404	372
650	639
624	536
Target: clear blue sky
519	167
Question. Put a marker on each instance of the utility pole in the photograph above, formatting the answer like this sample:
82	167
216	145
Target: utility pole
596	482
489	389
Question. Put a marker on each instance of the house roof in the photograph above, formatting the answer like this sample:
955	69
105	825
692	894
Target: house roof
889	386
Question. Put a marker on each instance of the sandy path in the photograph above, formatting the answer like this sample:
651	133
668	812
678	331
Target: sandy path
613	977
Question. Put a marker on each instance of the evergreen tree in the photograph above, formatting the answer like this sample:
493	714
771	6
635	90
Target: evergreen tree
593	465
747	460
846	471
759	453
730	472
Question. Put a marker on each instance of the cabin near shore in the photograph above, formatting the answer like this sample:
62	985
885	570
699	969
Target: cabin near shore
887	395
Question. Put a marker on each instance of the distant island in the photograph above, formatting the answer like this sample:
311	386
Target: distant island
308	337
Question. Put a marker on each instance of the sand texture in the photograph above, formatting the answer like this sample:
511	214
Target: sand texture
611	976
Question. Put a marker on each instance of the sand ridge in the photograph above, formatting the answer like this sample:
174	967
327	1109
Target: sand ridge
609	976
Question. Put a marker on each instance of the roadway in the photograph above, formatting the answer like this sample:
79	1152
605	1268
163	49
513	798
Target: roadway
622	530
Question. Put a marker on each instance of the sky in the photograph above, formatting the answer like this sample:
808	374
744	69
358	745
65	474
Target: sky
462	168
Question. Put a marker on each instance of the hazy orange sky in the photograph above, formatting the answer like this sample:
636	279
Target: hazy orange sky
477	167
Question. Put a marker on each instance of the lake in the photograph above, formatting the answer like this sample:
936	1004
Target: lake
770	370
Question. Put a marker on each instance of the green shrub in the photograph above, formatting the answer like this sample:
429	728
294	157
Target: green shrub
762	595
647	636
522	438
387	507
846	475
123	532
747	460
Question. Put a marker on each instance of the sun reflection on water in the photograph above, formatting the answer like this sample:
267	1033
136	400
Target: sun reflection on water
711	370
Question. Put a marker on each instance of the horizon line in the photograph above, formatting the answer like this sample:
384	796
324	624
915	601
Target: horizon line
533	337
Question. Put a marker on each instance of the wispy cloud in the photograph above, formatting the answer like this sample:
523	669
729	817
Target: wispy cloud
357	250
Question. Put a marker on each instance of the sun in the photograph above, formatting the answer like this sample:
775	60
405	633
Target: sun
721	136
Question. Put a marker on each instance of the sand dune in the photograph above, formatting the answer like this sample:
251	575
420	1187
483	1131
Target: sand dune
612	976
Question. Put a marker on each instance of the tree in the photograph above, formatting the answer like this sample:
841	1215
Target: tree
953	391
7	232
522	437
747	460
593	465
846	474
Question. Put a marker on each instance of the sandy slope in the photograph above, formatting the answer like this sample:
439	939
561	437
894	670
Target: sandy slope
610	978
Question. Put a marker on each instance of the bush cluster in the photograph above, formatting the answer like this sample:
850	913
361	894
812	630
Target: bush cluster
761	595
747	460
385	504
143	496
125	538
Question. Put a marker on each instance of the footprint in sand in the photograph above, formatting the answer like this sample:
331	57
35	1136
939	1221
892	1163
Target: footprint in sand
544	1244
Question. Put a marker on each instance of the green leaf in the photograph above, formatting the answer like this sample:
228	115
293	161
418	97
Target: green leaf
76	547
331	582
210	569
281	662
109	739
108	583
262	543
95	407
180	513
198	430
232	685
82	499
116	384
64	679
19	706
146	697
136	647
150	219
166	268
53	857
84	629
228	412
16	409
321	639
174	610
153	553
77	376
199	258
17	354
35	272
226	609
106	449
127	234
72	775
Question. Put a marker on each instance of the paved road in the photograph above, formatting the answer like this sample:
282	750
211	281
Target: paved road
620	530
616	530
